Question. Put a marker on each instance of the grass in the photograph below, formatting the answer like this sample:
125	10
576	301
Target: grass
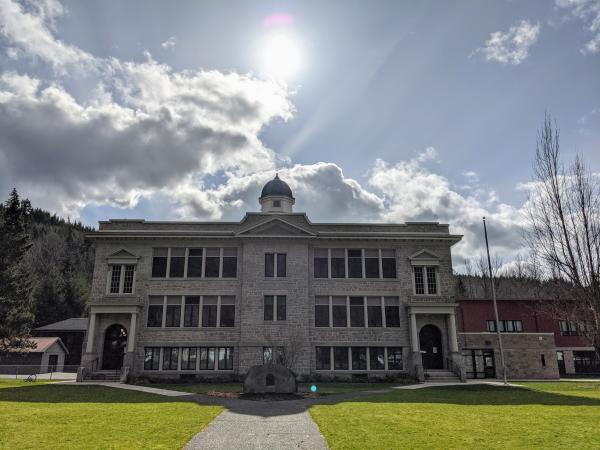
341	388
198	388
59	416
539	415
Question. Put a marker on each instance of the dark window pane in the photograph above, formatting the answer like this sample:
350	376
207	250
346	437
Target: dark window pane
281	265
151	358
227	315
159	263
188	358
338	263
392	316
339	315
321	315
209	316
173	316
419	286
207	358
194	263
269	306
128	280
372	267
269	264
320	267
225	358
359	358
211	270
155	313
170	356
357	312
431	281
115	279
354	263
229	267
388	266
177	263
394	358
377	358
340	358
374	312
281	307
191	312
323	358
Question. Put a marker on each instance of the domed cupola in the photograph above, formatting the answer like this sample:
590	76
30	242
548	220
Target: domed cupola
276	197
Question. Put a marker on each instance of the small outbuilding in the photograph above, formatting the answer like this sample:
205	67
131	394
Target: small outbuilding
72	334
48	355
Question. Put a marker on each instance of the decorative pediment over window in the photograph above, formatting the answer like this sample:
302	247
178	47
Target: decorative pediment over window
424	258
122	256
275	227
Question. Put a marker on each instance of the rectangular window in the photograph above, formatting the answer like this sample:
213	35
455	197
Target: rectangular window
371	263
355	263
170	357
506	326
274	354
207	358
128	279
431	281
188	358
281	307
275	265
213	260
359	358
269	265
374	312
209	311
571	328
173	311
159	262
377	358
419	283
281	265
321	311
388	263
151	358
225	358
191	311
115	279
229	262
227	311
269	307
338	308
177	263
338	263
275	307
357	312
394	355
155	311
323	358
392	312
194	269
321	260
340	358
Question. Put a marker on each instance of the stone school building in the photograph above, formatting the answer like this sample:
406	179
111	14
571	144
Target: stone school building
213	299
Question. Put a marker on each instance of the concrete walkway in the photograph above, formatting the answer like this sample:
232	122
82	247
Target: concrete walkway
454	383
133	387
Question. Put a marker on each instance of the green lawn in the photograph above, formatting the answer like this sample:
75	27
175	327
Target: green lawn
58	416
539	415
341	388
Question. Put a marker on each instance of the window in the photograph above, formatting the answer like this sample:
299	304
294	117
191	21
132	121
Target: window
506	326
321	311
207	358
227	311
431	281
372	263
274	354
357	312
355	263
586	362
188	358
359	358
419	285
374	312
128	280
281	265
173	311
213	261
155	311
394	357
269	264
323	358
340	358
392	312
194	269
388	263
225	358
338	309
121	279
338	263
209	311
229	262
159	262
275	265
191	311
151	358
275	307
321	263
277	203
115	279
377	358
177	263
571	328
170	357
425	279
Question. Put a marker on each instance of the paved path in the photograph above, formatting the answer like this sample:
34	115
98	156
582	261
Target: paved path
134	387
454	383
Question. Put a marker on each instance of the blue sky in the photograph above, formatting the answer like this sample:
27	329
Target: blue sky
397	110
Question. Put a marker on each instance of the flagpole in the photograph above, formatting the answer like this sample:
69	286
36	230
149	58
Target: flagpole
495	304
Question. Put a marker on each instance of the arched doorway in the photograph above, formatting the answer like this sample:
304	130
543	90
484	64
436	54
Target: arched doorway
115	341
430	341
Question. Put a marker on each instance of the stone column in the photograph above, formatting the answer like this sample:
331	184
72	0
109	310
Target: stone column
90	333
414	337
131	335
452	333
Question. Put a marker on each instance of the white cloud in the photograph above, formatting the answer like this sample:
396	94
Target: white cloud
587	11
511	47
169	43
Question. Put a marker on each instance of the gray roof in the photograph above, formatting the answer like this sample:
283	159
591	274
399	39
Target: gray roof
277	187
73	324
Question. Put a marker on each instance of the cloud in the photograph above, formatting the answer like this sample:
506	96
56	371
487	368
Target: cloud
511	47
169	43
588	11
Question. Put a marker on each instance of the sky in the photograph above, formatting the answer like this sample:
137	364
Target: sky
372	111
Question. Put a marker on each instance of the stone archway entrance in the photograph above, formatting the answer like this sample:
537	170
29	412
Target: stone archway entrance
115	341
430	341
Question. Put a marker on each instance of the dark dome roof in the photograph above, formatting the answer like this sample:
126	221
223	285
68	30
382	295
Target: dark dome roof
276	187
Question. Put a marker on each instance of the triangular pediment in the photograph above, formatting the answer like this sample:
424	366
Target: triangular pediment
424	257
122	256
275	227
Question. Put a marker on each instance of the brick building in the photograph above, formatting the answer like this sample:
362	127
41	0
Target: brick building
213	299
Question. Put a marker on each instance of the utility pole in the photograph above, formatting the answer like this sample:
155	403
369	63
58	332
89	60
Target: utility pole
495	304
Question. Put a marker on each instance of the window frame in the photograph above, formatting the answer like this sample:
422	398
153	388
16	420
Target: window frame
225	260
424	274
122	271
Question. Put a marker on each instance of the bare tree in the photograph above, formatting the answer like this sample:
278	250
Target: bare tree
291	347
564	231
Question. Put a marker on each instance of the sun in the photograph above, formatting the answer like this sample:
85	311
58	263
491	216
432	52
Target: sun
281	56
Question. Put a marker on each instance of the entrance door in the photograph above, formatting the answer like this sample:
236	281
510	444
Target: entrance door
52	363
115	340
488	364
561	363
430	340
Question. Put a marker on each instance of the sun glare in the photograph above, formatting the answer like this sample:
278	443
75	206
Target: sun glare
281	56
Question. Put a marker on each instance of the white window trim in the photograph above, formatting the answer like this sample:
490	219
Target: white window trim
425	283
202	269
121	279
